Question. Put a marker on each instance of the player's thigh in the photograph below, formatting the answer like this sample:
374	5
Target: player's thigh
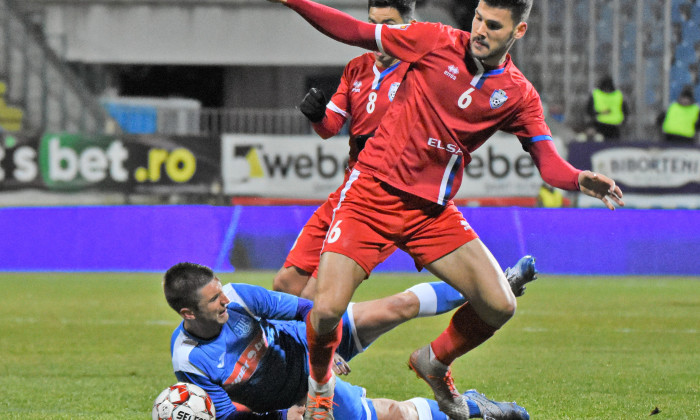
338	277
474	271
309	290
290	280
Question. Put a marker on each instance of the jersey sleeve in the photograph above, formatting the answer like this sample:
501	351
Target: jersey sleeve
536	138
222	402
337	110
335	24
267	304
225	408
408	42
529	124
554	170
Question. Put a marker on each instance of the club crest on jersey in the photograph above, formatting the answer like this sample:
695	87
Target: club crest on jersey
356	86
392	90
242	327
498	98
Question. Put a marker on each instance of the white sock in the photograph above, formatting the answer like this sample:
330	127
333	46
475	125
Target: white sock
422	408
427	298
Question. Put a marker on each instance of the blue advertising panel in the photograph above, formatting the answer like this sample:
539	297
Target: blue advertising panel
152	238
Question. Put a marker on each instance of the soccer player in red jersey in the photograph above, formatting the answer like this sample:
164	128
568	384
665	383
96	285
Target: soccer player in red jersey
367	88
460	88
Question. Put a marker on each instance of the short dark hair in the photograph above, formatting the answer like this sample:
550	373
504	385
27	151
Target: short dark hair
606	83
404	7
687	92
182	282
519	9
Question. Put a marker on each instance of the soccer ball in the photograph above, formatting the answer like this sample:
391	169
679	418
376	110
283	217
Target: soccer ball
183	401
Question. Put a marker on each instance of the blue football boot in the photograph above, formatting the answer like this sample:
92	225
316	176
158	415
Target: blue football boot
522	273
495	410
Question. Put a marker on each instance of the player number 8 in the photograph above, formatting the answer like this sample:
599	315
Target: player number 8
334	233
465	99
371	105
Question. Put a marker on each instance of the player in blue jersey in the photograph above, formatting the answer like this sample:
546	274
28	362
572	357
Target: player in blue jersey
246	346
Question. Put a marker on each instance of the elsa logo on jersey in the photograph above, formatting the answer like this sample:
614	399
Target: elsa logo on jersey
392	90
356	86
401	27
498	98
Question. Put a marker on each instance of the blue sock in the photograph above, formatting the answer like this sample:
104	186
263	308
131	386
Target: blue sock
435	411
436	298
447	296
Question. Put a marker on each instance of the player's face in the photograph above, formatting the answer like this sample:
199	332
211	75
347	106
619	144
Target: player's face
386	16
493	33
212	304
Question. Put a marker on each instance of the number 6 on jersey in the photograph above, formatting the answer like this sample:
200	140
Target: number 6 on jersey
334	233
465	99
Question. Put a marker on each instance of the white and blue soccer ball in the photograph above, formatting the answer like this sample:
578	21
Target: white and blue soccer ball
183	401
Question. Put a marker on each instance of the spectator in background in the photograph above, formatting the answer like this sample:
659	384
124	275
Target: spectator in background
607	109
549	196
681	121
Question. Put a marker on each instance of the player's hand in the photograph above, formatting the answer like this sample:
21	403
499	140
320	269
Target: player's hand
314	105
600	187
296	412
340	366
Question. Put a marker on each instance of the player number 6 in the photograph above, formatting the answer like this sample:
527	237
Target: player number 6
334	233
465	99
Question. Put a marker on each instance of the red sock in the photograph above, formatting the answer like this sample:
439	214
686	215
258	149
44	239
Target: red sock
321	349
465	332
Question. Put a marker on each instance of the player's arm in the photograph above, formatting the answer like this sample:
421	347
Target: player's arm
225	408
264	303
530	127
334	23
335	112
559	173
325	120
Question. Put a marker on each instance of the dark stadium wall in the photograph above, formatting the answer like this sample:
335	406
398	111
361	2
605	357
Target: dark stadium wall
152	238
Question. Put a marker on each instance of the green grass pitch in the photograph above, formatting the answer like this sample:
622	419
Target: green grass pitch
96	346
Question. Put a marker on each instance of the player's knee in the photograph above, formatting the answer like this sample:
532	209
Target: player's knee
506	306
328	312
279	283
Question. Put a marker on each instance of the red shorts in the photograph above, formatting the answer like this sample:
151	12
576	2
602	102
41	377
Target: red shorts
373	216
306	251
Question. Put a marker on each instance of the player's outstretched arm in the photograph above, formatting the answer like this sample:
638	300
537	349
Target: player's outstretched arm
559	173
600	187
334	23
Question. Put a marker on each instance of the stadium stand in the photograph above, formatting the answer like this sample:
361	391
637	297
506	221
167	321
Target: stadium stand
10	117
52	96
571	43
